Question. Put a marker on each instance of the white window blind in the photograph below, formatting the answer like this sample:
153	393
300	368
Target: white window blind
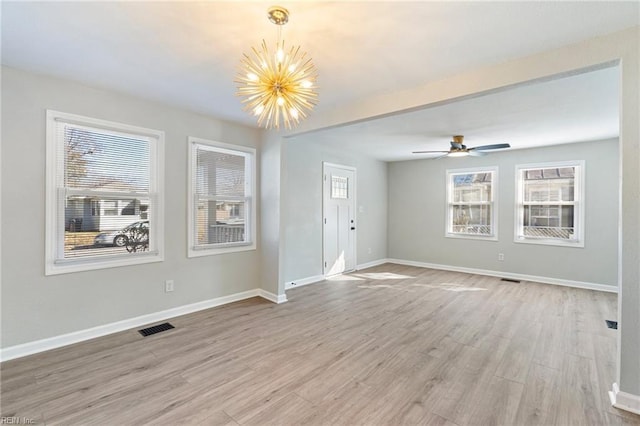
222	197
104	184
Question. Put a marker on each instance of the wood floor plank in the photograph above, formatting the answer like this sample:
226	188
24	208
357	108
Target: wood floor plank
540	395
389	345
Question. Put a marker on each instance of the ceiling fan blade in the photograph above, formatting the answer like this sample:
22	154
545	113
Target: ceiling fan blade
429	152
476	153
439	156
489	147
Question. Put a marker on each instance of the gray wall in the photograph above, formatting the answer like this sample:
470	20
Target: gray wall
35	306
302	206
417	216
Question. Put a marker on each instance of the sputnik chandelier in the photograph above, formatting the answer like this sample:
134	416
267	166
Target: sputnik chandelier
277	87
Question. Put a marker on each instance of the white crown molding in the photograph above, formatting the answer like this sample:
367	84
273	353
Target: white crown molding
624	401
49	343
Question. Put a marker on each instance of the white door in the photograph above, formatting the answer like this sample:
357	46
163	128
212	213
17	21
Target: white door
339	218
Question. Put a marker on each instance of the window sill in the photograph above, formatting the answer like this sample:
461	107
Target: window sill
220	250
472	237
548	242
81	265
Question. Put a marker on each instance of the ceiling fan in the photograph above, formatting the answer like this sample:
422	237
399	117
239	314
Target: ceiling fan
458	149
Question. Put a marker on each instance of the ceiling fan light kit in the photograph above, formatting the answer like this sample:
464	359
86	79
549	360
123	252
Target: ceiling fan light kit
278	87
458	149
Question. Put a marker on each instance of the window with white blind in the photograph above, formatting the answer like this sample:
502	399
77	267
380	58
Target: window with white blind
550	200
471	199
104	194
222	213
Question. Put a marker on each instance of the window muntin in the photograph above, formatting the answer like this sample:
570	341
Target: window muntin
222	198
470	203
99	174
549	208
339	187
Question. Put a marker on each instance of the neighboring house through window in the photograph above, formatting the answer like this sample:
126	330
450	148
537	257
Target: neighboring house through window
222	212
100	174
471	199
550	203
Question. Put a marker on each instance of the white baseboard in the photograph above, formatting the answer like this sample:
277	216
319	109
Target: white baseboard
510	275
499	274
42	345
275	298
317	278
303	281
624	401
372	264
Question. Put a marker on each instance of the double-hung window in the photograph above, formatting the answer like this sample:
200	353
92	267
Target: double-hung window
104	194
550	203
222	211
471	198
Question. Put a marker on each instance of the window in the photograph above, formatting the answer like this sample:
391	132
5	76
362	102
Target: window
549	203
99	175
339	187
222	213
470	203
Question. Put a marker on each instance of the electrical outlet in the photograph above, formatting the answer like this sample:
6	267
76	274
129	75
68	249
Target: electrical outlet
168	286
500	256
369	250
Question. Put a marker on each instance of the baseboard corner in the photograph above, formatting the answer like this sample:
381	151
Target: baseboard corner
271	297
623	400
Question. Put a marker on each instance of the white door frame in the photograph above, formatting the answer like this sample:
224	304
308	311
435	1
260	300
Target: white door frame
324	213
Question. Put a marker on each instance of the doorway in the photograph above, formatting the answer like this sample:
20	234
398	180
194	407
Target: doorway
339	218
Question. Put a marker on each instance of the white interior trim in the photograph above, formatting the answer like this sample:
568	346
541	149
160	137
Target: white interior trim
49	343
624	401
193	250
371	264
511	275
303	281
522	277
271	297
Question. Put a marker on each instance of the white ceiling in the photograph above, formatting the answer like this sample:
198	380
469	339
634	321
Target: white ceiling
186	54
579	108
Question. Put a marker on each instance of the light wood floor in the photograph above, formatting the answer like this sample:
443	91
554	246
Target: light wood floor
388	345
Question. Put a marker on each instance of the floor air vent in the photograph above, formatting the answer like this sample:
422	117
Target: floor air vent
509	280
612	324
155	329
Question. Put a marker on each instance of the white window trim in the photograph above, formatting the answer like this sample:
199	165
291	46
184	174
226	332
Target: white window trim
192	250
494	203
579	197
54	210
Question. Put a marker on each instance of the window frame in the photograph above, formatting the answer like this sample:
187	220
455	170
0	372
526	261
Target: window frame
578	204
493	203
55	263
194	250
